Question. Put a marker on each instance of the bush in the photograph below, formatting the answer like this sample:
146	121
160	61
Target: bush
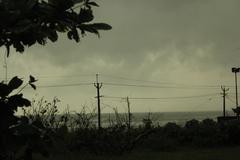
19	138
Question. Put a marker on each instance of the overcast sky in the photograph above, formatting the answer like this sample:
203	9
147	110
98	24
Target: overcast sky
179	47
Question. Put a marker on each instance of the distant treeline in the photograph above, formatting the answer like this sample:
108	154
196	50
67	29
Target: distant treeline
206	133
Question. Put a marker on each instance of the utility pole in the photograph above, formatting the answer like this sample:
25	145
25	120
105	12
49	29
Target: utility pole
98	86
224	99
235	71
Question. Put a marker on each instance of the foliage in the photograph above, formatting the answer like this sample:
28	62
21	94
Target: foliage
83	120
17	134
10	102
72	132
236	111
148	124
77	133
27	22
23	24
43	113
114	138
201	134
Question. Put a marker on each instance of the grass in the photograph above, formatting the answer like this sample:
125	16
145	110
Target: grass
183	154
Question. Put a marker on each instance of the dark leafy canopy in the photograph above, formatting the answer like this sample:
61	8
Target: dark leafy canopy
9	102
26	22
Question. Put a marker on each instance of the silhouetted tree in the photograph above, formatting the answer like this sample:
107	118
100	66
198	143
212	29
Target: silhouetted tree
27	22
23	24
11	126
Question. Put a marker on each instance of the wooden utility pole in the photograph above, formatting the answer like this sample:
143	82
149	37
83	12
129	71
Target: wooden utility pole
235	71
224	99
98	86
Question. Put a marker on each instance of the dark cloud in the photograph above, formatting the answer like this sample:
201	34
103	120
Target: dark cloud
174	41
141	27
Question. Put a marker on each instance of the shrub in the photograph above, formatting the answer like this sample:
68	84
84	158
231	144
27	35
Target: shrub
17	133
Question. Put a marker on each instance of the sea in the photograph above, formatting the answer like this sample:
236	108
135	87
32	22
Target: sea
158	118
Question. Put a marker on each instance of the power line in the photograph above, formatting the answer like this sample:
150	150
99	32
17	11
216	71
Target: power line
123	85
157	82
162	98
116	84
64	85
65	76
210	99
132	79
231	100
53	76
158	86
175	85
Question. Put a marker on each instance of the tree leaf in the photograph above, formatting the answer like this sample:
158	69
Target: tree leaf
32	79
14	83
33	86
93	4
70	35
4	90
8	49
19	47
61	4
101	26
41	41
27	22
85	15
52	35
18	101
30	4
75	35
89	28
77	1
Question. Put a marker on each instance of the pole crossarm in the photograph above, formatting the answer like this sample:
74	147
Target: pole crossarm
98	85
